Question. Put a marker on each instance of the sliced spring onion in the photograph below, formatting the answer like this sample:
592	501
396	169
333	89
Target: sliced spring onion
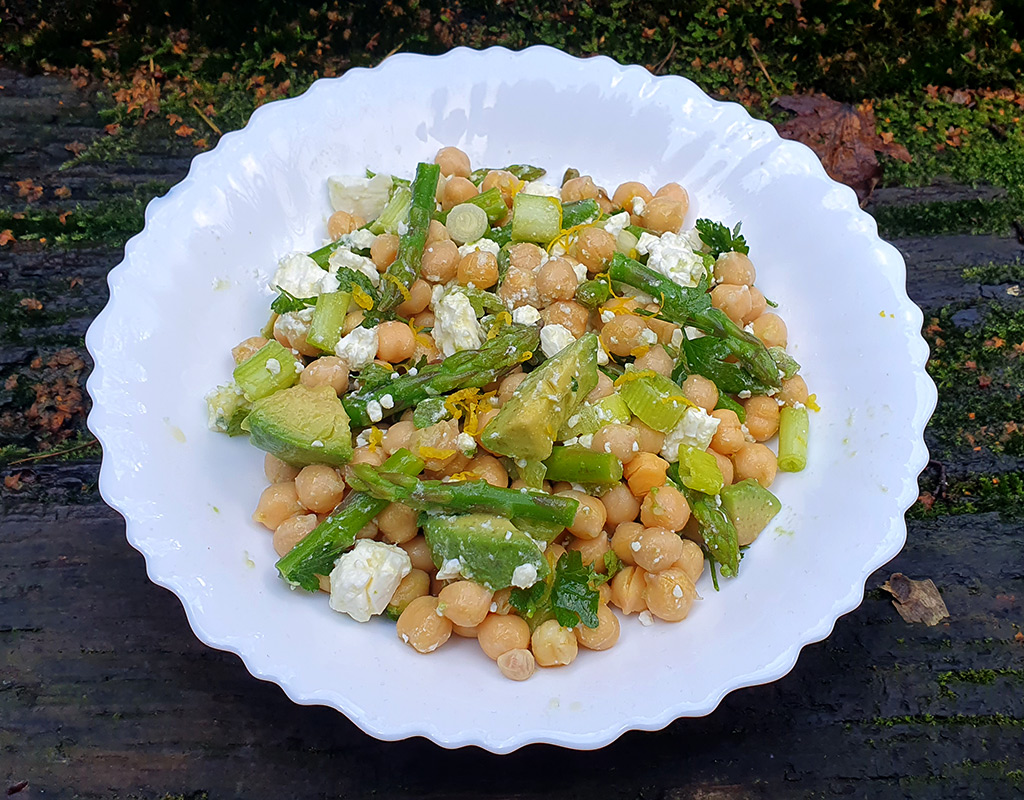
656	400
269	369
395	212
328	320
793	430
466	223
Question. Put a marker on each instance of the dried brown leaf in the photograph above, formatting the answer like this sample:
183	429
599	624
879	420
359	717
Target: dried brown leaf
916	601
843	137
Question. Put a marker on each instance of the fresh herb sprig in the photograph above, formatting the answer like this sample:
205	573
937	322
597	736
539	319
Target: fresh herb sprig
720	239
570	595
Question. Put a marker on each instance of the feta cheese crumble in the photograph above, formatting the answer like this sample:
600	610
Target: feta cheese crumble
466	444
617	223
526	315
273	366
695	429
374	411
455	324
301	276
451	568
672	256
554	339
365	579
343	257
524	576
357	349
359	239
484	245
542	189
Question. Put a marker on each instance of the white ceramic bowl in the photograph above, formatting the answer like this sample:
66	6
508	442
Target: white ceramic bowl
192	285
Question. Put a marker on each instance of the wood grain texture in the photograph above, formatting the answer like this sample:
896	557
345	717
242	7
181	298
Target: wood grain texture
106	693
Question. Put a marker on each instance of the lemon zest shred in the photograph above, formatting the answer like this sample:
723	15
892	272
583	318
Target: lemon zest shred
569	235
418	336
634	375
812	402
363	300
436	452
375	439
402	290
463	476
501	320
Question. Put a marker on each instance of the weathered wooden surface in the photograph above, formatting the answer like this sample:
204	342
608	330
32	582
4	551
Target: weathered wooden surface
105	692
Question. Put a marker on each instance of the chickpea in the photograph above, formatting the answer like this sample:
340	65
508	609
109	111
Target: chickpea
604	636
291	330
662	329
397	523
364	455
673	191
465	603
506	183
319	488
437	232
517	665
556	280
419	299
368	531
728	437
499	633
278	471
657	359
735	268
701	392
399	436
762	417
415	584
482	421
453	161
489	469
501	603
758	305
619	505
419	553
553	645
592	550
526	256
569	314
669	594
246	349
425	319
384	251
590	516
395	341
581	188
665	507
457	190
519	288
724	466
605	387
645	472
771	330
793	391
648	439
292	531
618	440
341	222
628	589
278	502
464	632
624	334
691	561
478	269
421	627
440	261
659	549
623	196
625	541
755	461
352	321
733	300
326	371
664	214
593	248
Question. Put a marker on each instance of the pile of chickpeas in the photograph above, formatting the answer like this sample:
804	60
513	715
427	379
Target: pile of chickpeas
643	519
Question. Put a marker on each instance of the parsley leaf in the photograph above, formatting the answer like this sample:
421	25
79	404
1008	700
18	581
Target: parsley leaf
569	595
286	302
720	239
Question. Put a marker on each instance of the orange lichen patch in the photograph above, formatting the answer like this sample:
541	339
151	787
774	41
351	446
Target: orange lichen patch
59	402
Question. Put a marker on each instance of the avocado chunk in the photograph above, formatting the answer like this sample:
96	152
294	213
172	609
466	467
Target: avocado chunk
486	549
528	423
227	408
750	507
301	426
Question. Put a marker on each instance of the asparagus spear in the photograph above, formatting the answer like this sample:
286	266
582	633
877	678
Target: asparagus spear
495	359
406	267
525	172
685	306
462	497
579	465
721	542
317	553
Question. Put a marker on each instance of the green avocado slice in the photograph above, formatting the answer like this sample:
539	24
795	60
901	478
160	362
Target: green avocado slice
301	426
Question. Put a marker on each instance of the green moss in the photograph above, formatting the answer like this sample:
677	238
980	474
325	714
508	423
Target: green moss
930	219
952	720
975	677
976	494
993	274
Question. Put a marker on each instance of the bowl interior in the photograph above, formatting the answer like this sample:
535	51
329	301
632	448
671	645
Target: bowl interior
193	284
